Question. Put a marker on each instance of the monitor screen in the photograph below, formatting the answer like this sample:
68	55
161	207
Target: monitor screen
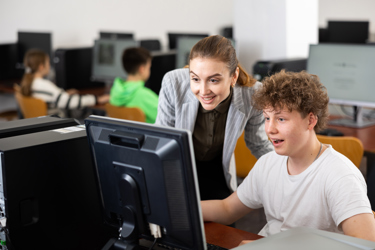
107	62
172	38
346	72
32	40
348	31
184	45
115	35
147	178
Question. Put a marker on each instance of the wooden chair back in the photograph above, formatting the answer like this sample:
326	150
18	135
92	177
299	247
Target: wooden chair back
349	146
243	157
30	106
128	113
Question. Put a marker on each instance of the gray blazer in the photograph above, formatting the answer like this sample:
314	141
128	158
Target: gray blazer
178	107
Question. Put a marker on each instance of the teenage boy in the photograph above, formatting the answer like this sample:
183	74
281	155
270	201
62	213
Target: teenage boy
132	92
303	183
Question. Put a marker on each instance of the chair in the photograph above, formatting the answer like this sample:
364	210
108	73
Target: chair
349	146
133	113
244	159
30	106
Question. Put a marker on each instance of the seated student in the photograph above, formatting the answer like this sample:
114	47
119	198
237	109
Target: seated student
33	84
132	92
303	183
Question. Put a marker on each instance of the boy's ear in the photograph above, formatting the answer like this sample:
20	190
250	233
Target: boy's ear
141	68
313	119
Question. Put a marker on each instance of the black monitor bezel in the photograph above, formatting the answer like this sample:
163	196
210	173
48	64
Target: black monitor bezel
172	37
183	137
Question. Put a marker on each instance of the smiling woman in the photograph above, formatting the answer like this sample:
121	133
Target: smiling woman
212	99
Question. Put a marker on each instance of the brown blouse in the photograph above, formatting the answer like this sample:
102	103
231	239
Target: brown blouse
209	130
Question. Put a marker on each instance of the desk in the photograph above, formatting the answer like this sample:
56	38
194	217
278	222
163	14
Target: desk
225	236
365	135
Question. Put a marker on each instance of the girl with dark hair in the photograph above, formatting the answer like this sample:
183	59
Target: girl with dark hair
212	99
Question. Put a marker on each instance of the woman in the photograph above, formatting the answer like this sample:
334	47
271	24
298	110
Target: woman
212	99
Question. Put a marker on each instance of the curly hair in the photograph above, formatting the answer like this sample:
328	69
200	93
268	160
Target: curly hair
298	91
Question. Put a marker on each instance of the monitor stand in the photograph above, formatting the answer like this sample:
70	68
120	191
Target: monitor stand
356	122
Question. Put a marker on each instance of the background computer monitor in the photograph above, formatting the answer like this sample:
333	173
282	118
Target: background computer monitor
347	73
115	35
8	60
172	38
348	31
162	62
73	68
147	175
184	45
32	40
107	62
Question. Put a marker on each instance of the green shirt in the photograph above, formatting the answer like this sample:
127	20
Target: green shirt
135	94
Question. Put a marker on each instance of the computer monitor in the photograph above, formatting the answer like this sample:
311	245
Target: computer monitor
172	38
107	62
147	176
162	62
346	72
8	60
32	40
73	68
115	35
184	46
348	31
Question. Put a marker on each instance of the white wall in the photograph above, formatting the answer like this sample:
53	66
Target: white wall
77	22
361	10
274	29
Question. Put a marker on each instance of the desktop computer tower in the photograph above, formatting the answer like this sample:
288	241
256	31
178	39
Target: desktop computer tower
49	197
32	125
262	69
73	68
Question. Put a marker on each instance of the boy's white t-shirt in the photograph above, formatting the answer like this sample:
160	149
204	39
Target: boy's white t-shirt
329	191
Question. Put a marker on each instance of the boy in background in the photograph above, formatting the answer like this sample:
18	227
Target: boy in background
132	92
303	183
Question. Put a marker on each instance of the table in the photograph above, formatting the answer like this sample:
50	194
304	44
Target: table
225	236
365	135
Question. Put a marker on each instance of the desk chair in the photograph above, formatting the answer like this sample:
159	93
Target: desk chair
243	157
349	146
127	113
30	106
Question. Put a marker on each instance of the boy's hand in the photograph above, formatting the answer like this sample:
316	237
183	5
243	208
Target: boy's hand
103	99
245	242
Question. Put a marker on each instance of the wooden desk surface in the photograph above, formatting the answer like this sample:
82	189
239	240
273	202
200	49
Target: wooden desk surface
225	236
365	135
